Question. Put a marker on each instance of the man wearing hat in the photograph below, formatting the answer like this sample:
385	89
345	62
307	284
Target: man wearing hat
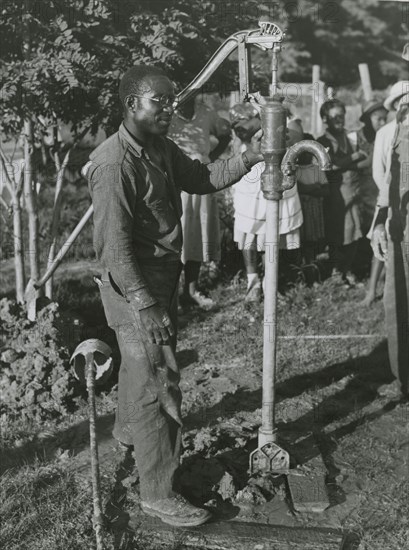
391	230
385	137
373	117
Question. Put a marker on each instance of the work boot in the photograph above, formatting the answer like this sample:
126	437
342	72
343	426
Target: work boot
176	511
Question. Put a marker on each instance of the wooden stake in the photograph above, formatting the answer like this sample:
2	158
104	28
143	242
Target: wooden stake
366	81
315	99
321	99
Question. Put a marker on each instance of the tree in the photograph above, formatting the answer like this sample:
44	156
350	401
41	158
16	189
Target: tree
42	66
50	49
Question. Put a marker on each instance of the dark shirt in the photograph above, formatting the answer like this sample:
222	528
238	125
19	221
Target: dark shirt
137	204
342	225
340	156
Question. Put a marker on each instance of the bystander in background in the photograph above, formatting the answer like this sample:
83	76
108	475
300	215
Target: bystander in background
341	210
202	135
250	204
373	117
391	230
312	186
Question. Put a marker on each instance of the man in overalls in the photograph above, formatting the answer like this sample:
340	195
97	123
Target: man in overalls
135	179
390	239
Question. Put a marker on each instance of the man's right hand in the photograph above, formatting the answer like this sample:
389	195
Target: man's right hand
379	242
157	324
253	152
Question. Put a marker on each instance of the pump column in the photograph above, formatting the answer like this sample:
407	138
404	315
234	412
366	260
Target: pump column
273	123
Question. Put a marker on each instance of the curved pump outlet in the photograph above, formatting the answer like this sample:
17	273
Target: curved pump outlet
289	162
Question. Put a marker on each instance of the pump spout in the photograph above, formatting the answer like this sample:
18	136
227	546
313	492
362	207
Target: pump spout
289	166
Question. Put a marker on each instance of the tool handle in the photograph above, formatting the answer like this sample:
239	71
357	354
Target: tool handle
65	248
96	483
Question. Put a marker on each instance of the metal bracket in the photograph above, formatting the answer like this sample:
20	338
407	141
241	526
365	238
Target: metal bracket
270	458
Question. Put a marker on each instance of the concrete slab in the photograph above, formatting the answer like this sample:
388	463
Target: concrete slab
308	493
306	482
273	525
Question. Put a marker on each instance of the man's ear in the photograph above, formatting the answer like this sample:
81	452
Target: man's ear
130	103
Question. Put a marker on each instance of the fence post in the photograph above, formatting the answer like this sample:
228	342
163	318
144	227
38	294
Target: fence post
366	81
315	99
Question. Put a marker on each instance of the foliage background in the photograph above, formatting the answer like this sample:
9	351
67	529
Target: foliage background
80	48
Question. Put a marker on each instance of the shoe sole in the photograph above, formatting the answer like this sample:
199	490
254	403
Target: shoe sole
173	521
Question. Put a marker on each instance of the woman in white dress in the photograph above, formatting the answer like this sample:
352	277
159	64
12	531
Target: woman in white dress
250	204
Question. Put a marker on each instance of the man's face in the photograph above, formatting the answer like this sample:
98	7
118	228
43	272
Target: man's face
153	117
336	119
245	129
378	118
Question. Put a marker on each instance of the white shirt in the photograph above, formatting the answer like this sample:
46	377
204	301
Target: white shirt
382	157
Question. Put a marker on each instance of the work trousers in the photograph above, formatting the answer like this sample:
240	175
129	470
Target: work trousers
396	294
149	398
396	303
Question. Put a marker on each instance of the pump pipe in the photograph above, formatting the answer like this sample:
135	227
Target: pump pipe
273	123
279	175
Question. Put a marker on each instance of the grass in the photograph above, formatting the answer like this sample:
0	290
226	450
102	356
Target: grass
44	507
324	386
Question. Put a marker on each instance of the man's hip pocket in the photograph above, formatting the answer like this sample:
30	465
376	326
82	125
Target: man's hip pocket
118	311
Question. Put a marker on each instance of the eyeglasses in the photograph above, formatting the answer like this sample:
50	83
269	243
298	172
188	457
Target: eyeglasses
338	118
163	100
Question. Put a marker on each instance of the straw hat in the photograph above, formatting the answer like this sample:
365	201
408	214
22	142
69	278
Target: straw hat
398	90
369	107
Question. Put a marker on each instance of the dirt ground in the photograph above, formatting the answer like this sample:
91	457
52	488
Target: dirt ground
332	360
